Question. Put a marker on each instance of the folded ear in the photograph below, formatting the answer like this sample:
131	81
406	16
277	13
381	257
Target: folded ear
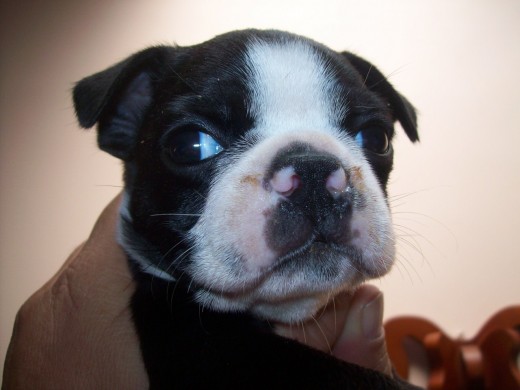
117	99
402	109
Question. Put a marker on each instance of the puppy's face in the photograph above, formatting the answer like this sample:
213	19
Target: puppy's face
256	166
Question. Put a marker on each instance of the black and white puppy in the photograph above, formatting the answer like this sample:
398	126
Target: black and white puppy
255	172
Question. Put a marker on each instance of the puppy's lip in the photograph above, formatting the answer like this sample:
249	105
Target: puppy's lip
309	256
317	241
312	247
254	279
316	247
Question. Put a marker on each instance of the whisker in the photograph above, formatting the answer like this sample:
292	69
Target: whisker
398	265
177	263
191	282
167	253
109	185
303	331
407	263
323	334
179	258
366	77
198	193
201	310
174	215
396	71
183	80
410	239
429	217
386	77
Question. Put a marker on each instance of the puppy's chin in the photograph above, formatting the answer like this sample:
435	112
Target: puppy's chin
288	311
291	292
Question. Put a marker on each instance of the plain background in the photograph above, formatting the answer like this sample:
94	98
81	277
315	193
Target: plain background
454	195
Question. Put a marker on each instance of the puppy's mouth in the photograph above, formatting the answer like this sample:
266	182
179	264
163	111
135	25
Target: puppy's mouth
309	270
315	246
295	286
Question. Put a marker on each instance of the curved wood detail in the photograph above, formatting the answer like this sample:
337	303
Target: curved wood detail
487	361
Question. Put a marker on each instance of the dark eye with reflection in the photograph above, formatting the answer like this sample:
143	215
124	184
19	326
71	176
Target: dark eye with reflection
374	139
191	145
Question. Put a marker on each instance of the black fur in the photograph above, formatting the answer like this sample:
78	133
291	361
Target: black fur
135	105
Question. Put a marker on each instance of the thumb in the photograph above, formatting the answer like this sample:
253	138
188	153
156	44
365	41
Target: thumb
362	340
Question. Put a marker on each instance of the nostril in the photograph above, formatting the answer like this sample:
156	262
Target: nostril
285	181
337	182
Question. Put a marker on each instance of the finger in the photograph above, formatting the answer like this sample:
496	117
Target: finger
362	340
323	329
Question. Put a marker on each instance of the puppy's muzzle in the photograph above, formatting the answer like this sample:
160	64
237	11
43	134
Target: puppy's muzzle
315	203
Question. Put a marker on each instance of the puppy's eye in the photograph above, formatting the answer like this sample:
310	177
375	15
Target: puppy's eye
191	146
374	139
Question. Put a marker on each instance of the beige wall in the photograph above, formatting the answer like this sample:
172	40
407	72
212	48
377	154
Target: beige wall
454	195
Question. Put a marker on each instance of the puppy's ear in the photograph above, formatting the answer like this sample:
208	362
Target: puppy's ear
402	109
117	99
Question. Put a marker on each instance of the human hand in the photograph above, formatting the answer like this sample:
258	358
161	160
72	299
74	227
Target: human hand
349	328
77	331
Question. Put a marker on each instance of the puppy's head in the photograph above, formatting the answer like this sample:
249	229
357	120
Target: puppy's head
255	167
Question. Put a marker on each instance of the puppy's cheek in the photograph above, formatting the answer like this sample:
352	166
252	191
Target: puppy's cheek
247	225
229	237
374	237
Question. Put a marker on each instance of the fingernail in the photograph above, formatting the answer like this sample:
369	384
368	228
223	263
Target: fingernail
372	318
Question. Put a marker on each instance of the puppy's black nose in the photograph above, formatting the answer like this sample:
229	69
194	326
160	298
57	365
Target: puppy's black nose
308	178
316	202
312	174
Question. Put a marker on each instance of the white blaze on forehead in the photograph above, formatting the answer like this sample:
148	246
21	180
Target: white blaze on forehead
292	88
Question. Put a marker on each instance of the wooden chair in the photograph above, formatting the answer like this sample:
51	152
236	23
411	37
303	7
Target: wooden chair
487	361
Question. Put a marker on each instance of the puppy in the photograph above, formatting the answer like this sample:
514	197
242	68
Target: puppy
255	168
